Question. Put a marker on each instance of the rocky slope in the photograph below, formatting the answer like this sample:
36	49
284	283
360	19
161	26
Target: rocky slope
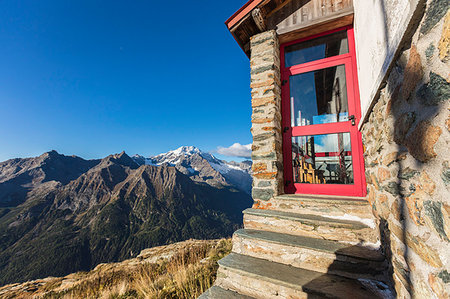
62	214
179	270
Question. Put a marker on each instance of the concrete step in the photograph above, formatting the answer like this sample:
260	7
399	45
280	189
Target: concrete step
310	253
333	206
260	278
216	292
347	231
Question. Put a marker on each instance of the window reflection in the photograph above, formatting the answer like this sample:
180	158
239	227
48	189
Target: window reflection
322	159
319	48
319	97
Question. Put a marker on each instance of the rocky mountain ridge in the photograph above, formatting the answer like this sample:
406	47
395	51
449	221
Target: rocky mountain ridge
60	214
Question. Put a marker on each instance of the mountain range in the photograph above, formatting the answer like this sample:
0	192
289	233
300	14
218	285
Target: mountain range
60	214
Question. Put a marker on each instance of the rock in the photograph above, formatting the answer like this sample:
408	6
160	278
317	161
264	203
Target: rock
265	175
435	91
420	289
445	174
421	141
447	123
258	102
435	11
402	126
394	101
411	189
262	194
396	210
444	42
263	136
390	158
414	203
425	252
374	181
444	275
429	52
393	188
407	173
413	73
383	205
427	183
437	286
268	156
434	214
383	174
259	167
264	184
446	217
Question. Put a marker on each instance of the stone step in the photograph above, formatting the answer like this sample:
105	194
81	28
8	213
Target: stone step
310	253
216	292
333	206
347	231
260	278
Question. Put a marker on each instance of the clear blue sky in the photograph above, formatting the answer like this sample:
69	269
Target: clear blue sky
91	78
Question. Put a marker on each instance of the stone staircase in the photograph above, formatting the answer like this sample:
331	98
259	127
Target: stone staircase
304	247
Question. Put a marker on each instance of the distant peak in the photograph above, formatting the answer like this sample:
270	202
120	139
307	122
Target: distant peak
187	150
123	159
120	155
50	154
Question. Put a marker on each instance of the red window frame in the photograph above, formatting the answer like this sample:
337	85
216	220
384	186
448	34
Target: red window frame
358	188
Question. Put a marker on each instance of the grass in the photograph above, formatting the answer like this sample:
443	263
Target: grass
185	271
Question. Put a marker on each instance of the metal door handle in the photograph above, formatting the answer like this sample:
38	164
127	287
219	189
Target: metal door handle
353	119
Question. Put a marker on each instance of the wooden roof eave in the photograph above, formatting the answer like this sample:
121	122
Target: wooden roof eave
243	24
243	16
244	11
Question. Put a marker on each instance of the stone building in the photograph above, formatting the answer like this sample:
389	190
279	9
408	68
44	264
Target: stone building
351	151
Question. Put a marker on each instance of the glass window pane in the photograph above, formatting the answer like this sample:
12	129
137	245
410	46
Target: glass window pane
322	159
315	49
319	97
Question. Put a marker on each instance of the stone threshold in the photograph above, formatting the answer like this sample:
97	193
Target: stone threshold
329	199
306	218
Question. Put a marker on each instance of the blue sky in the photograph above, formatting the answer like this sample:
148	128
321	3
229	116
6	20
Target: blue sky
91	78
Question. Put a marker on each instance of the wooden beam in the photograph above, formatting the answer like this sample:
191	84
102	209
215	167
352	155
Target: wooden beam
279	6
259	19
316	27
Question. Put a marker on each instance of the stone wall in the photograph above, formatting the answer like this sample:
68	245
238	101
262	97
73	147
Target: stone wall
266	116
407	156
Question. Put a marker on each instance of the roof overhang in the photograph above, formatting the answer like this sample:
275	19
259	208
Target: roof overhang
257	16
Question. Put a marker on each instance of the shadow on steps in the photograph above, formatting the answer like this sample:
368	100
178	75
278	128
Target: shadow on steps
377	280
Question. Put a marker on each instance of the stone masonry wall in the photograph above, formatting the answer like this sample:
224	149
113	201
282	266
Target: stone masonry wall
407	156
266	117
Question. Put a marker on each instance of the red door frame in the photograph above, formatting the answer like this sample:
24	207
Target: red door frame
358	188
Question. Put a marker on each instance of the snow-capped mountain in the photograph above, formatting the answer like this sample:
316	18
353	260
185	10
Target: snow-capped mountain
204	167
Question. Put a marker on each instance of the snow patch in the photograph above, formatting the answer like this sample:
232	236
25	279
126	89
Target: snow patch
224	168
373	246
369	222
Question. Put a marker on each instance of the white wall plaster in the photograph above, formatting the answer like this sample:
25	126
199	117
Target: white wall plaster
379	28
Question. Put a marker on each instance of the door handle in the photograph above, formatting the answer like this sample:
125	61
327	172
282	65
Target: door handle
352	118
